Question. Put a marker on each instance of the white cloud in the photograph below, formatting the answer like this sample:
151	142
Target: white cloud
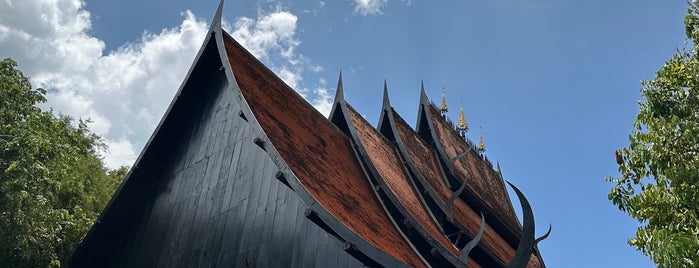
49	31
291	78
355	70
272	38
323	101
273	32
120	152
123	93
317	68
369	7
126	91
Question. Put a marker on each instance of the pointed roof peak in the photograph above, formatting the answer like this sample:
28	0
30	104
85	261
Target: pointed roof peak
423	95
216	23
386	101
340	92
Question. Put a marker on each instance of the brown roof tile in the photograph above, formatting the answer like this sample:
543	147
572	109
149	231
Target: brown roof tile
318	154
425	160
387	162
486	185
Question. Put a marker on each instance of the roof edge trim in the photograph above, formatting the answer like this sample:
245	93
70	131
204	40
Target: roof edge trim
386	102
216	23
339	98
386	110
527	241
323	214
389	124
425	193
155	132
387	196
441	209
212	30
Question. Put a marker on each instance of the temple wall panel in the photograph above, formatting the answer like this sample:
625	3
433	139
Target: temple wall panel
204	194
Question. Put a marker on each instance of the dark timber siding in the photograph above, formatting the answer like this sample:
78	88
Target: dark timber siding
204	194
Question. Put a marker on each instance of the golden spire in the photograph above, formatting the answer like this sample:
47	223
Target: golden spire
462	124
481	145
443	107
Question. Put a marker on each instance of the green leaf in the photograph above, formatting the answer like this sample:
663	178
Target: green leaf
53	185
659	170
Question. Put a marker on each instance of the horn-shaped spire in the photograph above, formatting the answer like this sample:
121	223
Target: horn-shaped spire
386	101
338	103
423	95
463	255
452	198
527	241
216	23
546	235
339	93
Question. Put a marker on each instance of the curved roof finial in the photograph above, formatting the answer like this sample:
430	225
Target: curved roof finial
546	235
527	241
453	197
216	23
463	255
386	101
339	93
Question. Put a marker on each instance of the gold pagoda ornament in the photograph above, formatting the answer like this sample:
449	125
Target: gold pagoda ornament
443	107
462	124
481	145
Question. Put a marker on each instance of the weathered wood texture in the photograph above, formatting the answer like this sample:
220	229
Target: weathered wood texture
204	194
319	155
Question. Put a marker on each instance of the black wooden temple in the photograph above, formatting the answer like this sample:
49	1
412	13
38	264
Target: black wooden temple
243	172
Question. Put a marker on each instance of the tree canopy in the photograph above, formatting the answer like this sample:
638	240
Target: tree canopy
659	182
53	184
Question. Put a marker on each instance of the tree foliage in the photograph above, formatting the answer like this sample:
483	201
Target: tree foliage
53	184
659	182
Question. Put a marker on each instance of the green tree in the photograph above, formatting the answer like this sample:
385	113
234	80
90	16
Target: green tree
53	184
659	182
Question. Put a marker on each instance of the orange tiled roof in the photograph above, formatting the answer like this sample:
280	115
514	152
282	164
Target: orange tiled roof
427	163
322	159
389	166
483	180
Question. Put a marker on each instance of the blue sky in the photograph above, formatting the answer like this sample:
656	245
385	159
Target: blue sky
554	85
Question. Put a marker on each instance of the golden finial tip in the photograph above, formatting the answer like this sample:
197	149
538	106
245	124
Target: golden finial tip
444	107
481	145
462	124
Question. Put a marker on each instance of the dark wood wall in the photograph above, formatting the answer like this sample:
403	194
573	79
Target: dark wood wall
204	194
